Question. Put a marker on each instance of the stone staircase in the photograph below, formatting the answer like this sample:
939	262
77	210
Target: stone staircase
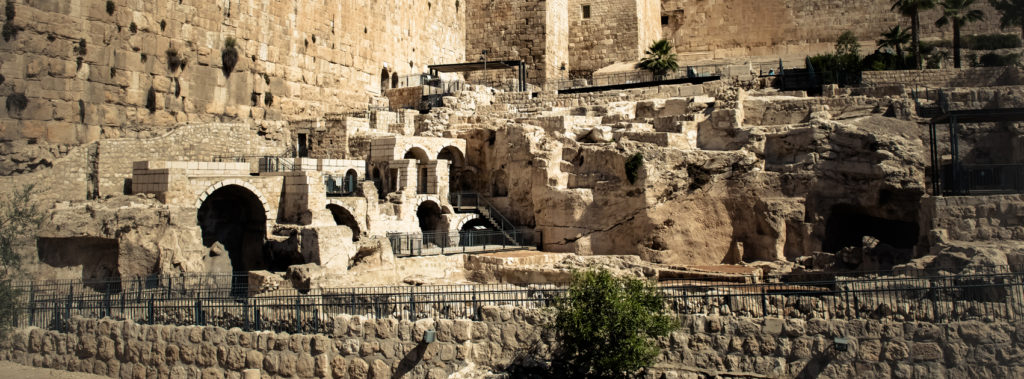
469	202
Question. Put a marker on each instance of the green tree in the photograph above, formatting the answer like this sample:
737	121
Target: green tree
19	218
1012	13
659	58
895	39
958	13
847	44
606	326
912	9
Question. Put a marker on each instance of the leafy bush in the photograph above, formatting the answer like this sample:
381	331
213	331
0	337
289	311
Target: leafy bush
19	217
991	41
633	165
110	7
998	60
229	55
837	69
607	325
659	58
175	60
9	10
16	103
268	99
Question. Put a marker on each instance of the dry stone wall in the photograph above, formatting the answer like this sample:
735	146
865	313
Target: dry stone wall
703	29
380	348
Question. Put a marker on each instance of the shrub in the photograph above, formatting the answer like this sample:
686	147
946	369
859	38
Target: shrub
9	10
133	28
175	60
110	7
10	30
163	25
151	100
268	99
80	49
19	217
606	326
998	60
229	56
633	165
991	41
16	103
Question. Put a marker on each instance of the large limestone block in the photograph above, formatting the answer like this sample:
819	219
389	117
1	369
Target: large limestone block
328	246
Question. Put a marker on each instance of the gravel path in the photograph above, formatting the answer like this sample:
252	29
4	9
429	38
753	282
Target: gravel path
14	370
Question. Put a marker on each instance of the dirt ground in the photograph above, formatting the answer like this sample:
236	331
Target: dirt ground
14	370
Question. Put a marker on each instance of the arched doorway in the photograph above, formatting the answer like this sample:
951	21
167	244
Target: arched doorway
235	217
349	185
422	172
432	224
343	217
385	80
456	167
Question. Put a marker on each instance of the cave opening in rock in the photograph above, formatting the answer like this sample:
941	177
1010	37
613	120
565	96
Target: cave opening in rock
475	232
98	258
431	223
234	217
847	225
343	217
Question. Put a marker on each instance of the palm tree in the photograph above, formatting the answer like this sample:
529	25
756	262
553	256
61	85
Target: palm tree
1013	13
956	12
660	59
912	9
894	39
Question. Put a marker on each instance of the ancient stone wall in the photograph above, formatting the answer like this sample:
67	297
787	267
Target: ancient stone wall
965	77
196	142
507	337
611	31
717	29
518	29
143	66
975	218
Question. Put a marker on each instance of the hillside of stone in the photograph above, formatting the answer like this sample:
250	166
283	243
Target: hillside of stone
742	176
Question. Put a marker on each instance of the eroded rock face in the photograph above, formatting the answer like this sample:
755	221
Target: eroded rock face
126	236
809	174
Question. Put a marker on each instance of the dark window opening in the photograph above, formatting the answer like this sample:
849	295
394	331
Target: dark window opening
586	11
664	20
303	146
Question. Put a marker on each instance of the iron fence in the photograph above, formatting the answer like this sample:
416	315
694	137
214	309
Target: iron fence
464	242
217	300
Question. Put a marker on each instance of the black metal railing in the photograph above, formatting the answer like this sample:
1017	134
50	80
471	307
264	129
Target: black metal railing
638	77
262	163
463	200
992	178
466	242
933	298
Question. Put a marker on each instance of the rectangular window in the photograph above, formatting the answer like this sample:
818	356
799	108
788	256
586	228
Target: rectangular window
586	11
664	20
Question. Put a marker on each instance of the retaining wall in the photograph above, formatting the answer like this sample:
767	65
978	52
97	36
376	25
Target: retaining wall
381	348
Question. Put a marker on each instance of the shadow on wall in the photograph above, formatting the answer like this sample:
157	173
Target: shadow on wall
96	256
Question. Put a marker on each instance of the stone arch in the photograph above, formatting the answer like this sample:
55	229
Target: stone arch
419	153
235	182
429	216
452	154
344	216
235	217
350	181
385	79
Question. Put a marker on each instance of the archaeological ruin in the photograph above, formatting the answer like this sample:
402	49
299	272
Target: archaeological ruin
399	188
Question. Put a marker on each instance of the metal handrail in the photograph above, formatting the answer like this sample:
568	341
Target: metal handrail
464	242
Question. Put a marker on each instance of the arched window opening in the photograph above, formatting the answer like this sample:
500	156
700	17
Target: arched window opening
349	184
343	217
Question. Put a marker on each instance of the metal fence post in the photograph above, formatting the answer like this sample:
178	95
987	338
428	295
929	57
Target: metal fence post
412	304
32	305
298	315
151	310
